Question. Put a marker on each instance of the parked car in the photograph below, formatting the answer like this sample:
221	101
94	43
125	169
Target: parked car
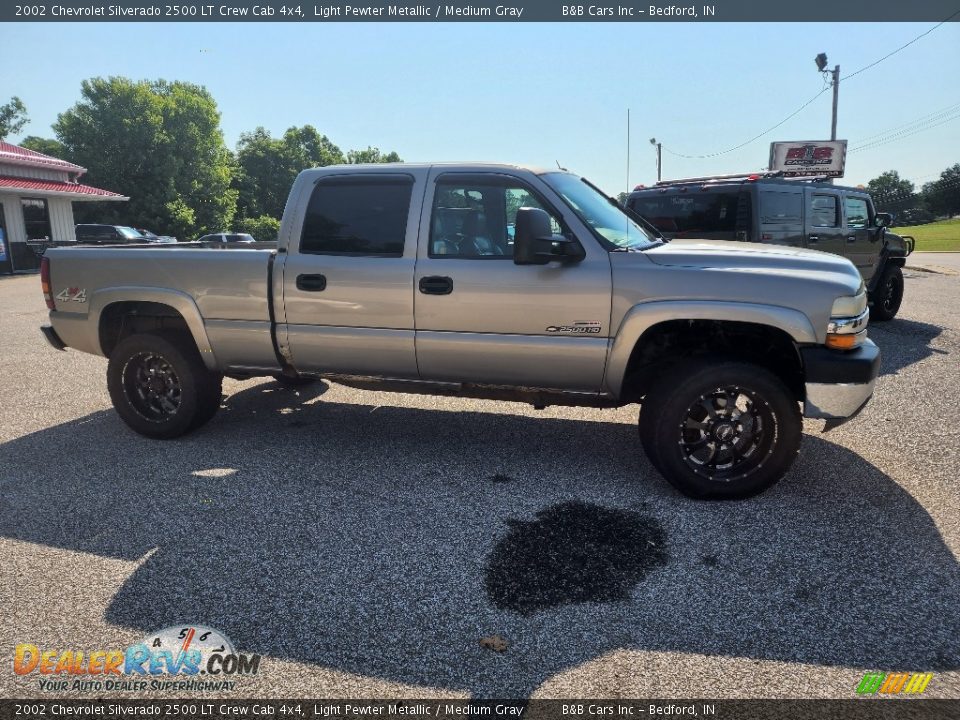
151	237
226	237
96	234
802	213
721	343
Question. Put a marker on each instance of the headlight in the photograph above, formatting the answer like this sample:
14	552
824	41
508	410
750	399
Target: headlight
848	322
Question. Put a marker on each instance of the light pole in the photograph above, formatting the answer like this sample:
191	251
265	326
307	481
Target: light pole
653	141
821	61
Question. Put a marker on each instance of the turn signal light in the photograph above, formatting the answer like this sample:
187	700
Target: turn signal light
45	283
843	342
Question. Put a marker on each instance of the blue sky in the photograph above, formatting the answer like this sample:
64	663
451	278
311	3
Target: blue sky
527	93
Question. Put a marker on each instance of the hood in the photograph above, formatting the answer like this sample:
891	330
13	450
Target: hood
729	255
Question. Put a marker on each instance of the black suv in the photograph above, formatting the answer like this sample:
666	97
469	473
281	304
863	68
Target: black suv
807	213
108	234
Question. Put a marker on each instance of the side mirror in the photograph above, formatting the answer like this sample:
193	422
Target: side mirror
884	220
535	244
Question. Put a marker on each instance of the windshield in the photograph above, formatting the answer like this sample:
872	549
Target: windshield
129	233
608	222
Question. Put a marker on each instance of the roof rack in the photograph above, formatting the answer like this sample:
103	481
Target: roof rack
735	176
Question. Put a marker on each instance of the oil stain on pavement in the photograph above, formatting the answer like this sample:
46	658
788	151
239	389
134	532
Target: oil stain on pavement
573	552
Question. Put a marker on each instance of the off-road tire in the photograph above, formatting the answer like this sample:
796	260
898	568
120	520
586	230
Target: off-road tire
767	430
888	295
159	385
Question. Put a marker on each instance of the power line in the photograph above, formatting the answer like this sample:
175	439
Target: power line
903	135
916	121
755	137
906	45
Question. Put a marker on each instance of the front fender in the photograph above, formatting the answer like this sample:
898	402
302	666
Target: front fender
644	316
176	299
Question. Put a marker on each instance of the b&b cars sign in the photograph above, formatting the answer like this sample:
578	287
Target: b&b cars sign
809	158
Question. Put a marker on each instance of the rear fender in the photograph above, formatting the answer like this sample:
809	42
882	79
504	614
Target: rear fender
179	301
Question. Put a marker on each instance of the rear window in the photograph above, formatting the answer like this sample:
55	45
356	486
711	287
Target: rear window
350	216
689	213
778	208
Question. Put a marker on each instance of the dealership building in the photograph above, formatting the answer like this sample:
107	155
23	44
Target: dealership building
37	193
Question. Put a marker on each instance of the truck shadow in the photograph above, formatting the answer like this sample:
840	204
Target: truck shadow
903	343
387	541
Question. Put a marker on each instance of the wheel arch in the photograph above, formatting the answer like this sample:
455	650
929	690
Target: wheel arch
654	336
119	312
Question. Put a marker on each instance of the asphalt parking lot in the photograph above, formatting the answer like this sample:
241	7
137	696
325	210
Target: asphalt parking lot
365	543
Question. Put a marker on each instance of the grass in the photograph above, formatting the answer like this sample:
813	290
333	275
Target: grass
943	235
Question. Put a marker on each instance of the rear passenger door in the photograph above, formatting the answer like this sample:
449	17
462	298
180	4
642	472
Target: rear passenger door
825	221
861	234
348	278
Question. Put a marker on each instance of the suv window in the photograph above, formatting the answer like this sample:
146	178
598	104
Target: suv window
858	213
357	216
476	219
825	211
689	213
780	207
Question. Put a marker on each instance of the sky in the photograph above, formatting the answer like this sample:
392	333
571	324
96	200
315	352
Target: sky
531	93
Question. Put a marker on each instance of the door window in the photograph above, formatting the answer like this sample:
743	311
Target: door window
36	219
351	216
477	219
858	213
825	211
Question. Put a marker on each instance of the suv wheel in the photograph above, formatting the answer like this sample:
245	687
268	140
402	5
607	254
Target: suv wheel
159	385
888	295
721	431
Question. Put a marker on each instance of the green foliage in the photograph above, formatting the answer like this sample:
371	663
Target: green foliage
933	237
942	196
47	146
371	155
890	192
267	167
158	142
13	117
265	227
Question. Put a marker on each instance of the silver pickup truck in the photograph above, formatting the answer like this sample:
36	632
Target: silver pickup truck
486	281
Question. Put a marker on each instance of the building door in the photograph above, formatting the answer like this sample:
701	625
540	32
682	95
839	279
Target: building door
5	266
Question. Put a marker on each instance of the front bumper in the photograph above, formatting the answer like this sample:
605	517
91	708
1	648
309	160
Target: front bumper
839	384
51	335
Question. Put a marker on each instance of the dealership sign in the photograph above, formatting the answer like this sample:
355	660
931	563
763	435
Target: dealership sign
809	158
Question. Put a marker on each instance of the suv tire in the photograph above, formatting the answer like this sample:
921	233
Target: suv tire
888	295
159	385
721	431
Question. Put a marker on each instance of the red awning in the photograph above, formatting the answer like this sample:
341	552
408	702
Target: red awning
54	187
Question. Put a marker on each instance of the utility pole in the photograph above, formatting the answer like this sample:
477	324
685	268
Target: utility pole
658	146
836	97
628	149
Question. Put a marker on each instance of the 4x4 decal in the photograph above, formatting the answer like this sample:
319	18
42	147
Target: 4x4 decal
76	294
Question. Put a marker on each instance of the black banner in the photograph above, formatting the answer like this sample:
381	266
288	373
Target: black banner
854	709
482	11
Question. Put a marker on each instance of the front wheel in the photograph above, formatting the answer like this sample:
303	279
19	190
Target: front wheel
721	431
888	295
159	385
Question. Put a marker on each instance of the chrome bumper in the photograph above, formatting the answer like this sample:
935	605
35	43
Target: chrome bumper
833	401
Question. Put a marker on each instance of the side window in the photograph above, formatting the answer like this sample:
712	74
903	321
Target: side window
825	211
477	220
780	208
858	214
366	216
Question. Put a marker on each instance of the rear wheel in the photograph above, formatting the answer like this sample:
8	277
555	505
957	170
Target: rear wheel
723	431
888	295
159	385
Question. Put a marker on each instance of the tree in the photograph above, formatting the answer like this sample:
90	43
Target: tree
943	196
262	228
158	142
890	192
13	116
47	146
371	155
267	167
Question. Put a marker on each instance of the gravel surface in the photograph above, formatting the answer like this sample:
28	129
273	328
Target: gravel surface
365	543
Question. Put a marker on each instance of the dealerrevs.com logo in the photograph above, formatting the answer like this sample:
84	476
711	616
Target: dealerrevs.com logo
182	657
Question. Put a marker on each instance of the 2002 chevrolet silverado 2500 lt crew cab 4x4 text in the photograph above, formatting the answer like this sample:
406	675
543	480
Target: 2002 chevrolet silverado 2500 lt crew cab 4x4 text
486	281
